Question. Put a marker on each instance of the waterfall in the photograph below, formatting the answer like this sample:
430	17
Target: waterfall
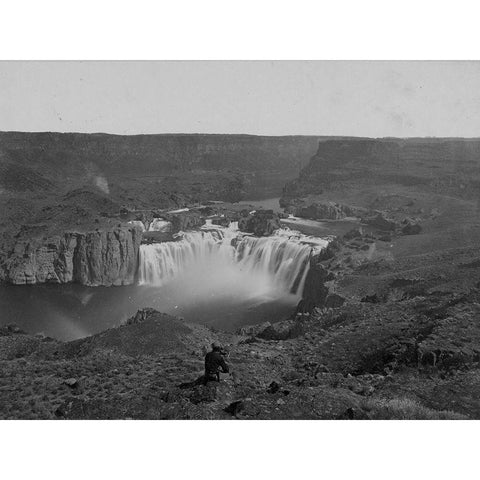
160	225
228	256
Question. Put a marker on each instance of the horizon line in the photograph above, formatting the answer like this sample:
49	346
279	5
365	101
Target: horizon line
237	134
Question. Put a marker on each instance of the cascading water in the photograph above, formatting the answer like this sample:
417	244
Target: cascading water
216	260
217	276
159	225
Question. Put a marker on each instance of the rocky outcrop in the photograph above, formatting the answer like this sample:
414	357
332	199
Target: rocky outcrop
184	221
411	227
261	223
315	291
101	257
380	221
283	330
325	211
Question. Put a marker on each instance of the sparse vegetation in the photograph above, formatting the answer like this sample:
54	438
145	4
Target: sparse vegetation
405	409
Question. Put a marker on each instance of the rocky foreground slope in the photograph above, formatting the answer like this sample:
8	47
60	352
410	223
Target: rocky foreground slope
392	332
360	362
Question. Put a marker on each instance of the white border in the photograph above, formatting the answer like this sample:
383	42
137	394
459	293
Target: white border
218	29
238	450
250	29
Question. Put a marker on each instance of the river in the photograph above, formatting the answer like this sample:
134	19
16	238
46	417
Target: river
206	286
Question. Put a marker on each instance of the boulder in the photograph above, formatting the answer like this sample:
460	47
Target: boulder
334	301
71	382
410	227
381	222
274	387
273	331
235	407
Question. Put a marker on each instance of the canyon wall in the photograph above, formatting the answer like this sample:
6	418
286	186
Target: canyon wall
446	166
394	185
150	154
92	258
161	169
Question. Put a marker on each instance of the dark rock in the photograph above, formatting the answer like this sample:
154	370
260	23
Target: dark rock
411	227
274	387
315	292
141	315
328	252
371	299
381	222
354	233
334	300
261	223
183	221
11	328
285	330
323	211
275	332
222	221
235	408
385	238
72	383
353	414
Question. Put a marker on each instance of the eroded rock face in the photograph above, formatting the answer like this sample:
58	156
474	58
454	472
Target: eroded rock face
315	291
92	258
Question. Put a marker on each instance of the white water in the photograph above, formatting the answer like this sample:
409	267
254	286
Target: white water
220	262
160	225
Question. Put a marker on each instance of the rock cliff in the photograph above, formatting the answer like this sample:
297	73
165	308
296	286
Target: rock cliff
325	210
446	166
101	257
152	170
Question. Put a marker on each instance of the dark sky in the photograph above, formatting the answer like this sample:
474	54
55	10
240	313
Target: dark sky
264	97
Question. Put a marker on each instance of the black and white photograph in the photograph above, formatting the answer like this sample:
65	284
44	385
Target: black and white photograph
214	239
215	276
